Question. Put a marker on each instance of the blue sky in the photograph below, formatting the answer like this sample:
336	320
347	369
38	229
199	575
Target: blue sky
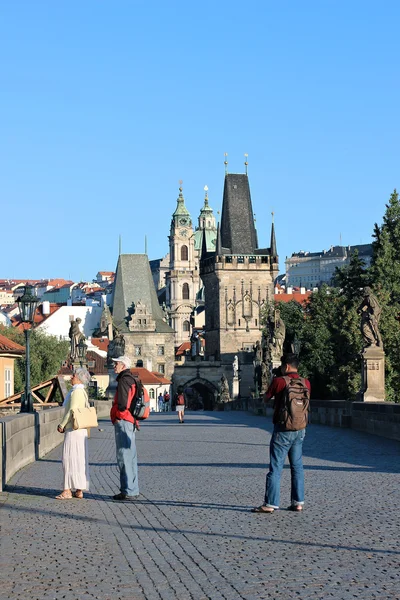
105	106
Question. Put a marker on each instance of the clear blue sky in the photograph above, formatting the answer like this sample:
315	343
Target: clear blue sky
105	106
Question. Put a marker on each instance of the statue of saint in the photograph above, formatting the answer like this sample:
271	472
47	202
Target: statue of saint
257	353
76	336
370	311
279	334
224	390
116	347
106	322
235	366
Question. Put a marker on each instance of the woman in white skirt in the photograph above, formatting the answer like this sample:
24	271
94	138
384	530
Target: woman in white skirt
75	450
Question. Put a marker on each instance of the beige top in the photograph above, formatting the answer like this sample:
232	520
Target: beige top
77	399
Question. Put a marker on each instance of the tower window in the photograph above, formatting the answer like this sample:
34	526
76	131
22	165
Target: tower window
184	253
186	326
185	291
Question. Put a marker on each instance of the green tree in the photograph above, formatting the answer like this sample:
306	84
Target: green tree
47	354
385	278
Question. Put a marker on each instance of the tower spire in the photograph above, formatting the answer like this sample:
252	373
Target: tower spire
218	248
274	252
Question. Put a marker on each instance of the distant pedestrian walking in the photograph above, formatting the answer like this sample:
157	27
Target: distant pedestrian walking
291	393
75	459
166	401
160	401
124	428
180	407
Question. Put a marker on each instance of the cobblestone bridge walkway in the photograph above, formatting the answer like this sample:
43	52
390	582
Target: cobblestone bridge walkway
191	535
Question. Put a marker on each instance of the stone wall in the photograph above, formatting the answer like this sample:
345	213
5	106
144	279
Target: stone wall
27	437
379	418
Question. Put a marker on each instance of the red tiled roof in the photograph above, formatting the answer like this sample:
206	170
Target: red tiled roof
9	347
184	347
100	343
59	282
296	296
106	273
160	376
149	378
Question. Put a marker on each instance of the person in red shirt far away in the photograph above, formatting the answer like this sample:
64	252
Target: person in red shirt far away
291	393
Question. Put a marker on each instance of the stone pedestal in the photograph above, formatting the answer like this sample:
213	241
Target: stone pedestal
373	374
112	385
235	388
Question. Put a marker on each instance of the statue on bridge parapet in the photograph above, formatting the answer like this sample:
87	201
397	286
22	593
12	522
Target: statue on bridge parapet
373	356
370	311
224	395
76	336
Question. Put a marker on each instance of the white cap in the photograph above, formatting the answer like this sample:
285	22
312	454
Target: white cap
124	359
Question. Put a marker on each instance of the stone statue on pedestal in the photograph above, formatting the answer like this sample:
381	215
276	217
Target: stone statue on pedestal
373	356
224	395
116	347
370	311
76	336
235	366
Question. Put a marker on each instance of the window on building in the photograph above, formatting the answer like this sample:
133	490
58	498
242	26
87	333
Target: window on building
138	350
160	350
152	393
184	253
185	291
139	363
7	383
186	326
161	368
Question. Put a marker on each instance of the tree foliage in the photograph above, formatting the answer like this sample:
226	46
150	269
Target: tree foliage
47	354
328	326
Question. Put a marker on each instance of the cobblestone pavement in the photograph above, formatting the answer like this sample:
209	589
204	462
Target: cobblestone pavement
191	534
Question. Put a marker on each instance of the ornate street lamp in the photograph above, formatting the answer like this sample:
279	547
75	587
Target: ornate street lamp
296	346
82	349
27	304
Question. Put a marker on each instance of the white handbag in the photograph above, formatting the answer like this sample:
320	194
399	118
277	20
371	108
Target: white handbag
83	418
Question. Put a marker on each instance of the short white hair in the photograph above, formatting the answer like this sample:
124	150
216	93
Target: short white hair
83	375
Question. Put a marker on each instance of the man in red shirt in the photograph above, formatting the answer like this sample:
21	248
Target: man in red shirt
124	428
284	443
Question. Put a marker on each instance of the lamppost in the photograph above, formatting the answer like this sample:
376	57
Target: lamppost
27	305
82	349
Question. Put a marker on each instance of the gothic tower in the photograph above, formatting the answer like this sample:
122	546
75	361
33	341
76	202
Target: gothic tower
183	279
238	277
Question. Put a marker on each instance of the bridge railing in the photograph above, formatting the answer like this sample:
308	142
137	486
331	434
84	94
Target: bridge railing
26	437
378	418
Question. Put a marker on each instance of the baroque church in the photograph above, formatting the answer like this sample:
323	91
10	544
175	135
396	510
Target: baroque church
155	304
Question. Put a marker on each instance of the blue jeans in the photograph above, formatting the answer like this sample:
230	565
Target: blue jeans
285	443
126	457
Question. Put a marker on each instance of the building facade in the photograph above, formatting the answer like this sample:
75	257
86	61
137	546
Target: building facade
137	315
312	269
183	281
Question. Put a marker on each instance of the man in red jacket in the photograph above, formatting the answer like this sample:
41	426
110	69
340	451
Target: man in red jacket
125	430
284	443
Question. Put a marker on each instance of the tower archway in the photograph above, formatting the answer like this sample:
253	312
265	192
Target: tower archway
200	394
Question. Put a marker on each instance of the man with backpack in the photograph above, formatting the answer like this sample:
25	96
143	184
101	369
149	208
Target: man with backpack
292	400
124	427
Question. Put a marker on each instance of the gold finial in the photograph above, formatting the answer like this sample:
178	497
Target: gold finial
206	190
226	162
245	161
180	187
273	214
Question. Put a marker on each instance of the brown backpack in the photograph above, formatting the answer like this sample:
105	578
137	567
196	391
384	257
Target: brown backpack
293	414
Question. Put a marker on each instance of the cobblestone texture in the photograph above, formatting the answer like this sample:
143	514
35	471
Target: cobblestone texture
190	536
